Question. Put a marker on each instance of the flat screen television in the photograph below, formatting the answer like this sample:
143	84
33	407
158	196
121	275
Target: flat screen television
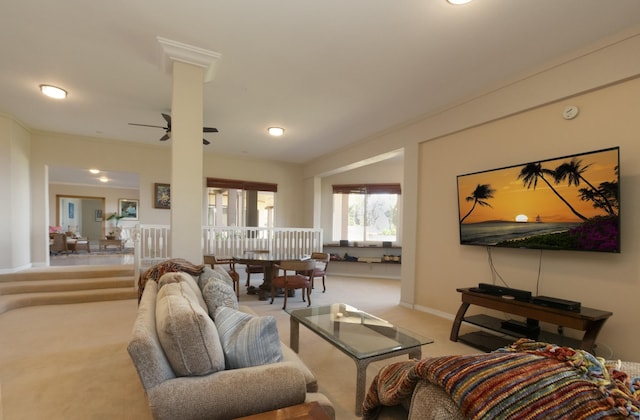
565	203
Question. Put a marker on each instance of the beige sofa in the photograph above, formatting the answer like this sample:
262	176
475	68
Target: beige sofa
190	376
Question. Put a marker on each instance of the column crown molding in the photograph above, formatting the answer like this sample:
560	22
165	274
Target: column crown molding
171	51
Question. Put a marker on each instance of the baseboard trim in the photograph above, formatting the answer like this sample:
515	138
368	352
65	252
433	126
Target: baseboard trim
435	312
14	270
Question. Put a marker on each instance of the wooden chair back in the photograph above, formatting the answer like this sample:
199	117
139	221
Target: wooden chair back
296	275
320	270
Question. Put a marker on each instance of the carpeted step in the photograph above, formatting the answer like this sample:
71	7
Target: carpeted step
66	284
79	272
36	286
15	301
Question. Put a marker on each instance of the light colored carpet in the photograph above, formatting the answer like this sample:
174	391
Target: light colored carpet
70	361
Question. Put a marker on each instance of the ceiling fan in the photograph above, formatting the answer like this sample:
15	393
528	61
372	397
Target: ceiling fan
167	129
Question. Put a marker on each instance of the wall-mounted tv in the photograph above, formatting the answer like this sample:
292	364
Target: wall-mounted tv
565	203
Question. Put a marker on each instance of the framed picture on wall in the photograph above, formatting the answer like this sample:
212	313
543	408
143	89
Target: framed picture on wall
162	196
72	208
128	208
98	215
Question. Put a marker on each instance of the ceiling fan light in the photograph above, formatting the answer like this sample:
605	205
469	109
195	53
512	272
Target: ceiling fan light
53	91
276	131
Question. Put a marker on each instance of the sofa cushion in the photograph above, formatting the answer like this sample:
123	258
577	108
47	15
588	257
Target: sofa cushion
217	293
193	289
247	340
187	334
167	266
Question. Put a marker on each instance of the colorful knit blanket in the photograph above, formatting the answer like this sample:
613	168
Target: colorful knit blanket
174	265
527	380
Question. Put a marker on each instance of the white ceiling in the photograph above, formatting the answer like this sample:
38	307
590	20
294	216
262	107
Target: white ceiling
332	72
82	176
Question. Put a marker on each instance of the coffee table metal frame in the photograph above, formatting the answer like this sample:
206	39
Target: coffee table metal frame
411	345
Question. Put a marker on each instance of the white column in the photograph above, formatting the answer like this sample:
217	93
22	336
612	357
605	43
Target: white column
191	67
186	162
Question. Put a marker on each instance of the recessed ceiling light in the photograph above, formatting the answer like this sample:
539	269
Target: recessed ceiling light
94	171
458	2
103	179
53	91
276	131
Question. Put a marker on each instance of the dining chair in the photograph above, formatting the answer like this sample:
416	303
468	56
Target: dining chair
320	270
299	278
254	268
212	260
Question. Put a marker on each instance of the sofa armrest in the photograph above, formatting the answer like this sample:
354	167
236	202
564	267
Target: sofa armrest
229	394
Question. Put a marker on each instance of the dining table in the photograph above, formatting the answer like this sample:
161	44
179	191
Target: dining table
268	260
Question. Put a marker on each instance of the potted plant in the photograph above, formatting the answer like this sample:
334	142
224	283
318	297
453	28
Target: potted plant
115	233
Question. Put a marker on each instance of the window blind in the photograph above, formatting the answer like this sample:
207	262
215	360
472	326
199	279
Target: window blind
366	188
234	184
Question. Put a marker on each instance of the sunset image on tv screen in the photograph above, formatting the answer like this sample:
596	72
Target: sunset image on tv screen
563	203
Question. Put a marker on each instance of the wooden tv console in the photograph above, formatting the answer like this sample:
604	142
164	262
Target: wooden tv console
587	319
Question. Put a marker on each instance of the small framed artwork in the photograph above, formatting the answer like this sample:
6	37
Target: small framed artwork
162	196
72	212
128	208
98	215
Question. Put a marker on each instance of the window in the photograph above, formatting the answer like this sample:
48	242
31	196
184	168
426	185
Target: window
366	213
240	203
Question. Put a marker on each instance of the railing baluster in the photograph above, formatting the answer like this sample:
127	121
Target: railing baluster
151	242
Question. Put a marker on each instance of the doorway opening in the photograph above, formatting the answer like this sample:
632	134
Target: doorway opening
81	216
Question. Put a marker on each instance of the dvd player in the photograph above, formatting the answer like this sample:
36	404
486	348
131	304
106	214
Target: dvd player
567	305
492	289
531	328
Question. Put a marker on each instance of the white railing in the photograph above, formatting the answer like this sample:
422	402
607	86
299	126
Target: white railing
233	241
152	242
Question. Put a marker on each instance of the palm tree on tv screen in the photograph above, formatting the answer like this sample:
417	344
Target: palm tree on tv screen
530	174
572	172
479	197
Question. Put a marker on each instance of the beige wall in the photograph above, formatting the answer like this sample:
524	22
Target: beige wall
152	164
428	283
14	190
433	262
608	117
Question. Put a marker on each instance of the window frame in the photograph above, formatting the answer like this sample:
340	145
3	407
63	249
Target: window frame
341	217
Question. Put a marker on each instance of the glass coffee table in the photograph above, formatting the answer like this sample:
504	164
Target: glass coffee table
363	337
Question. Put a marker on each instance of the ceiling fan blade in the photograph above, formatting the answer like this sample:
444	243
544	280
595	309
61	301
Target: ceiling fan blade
209	130
165	137
147	125
206	142
167	118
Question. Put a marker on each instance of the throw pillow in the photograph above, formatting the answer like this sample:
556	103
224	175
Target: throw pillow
187	334
247	340
224	274
217	293
214	273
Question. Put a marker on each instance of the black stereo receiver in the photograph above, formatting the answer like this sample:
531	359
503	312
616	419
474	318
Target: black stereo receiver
492	289
567	305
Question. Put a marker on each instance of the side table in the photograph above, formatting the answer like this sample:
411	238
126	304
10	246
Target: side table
104	243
